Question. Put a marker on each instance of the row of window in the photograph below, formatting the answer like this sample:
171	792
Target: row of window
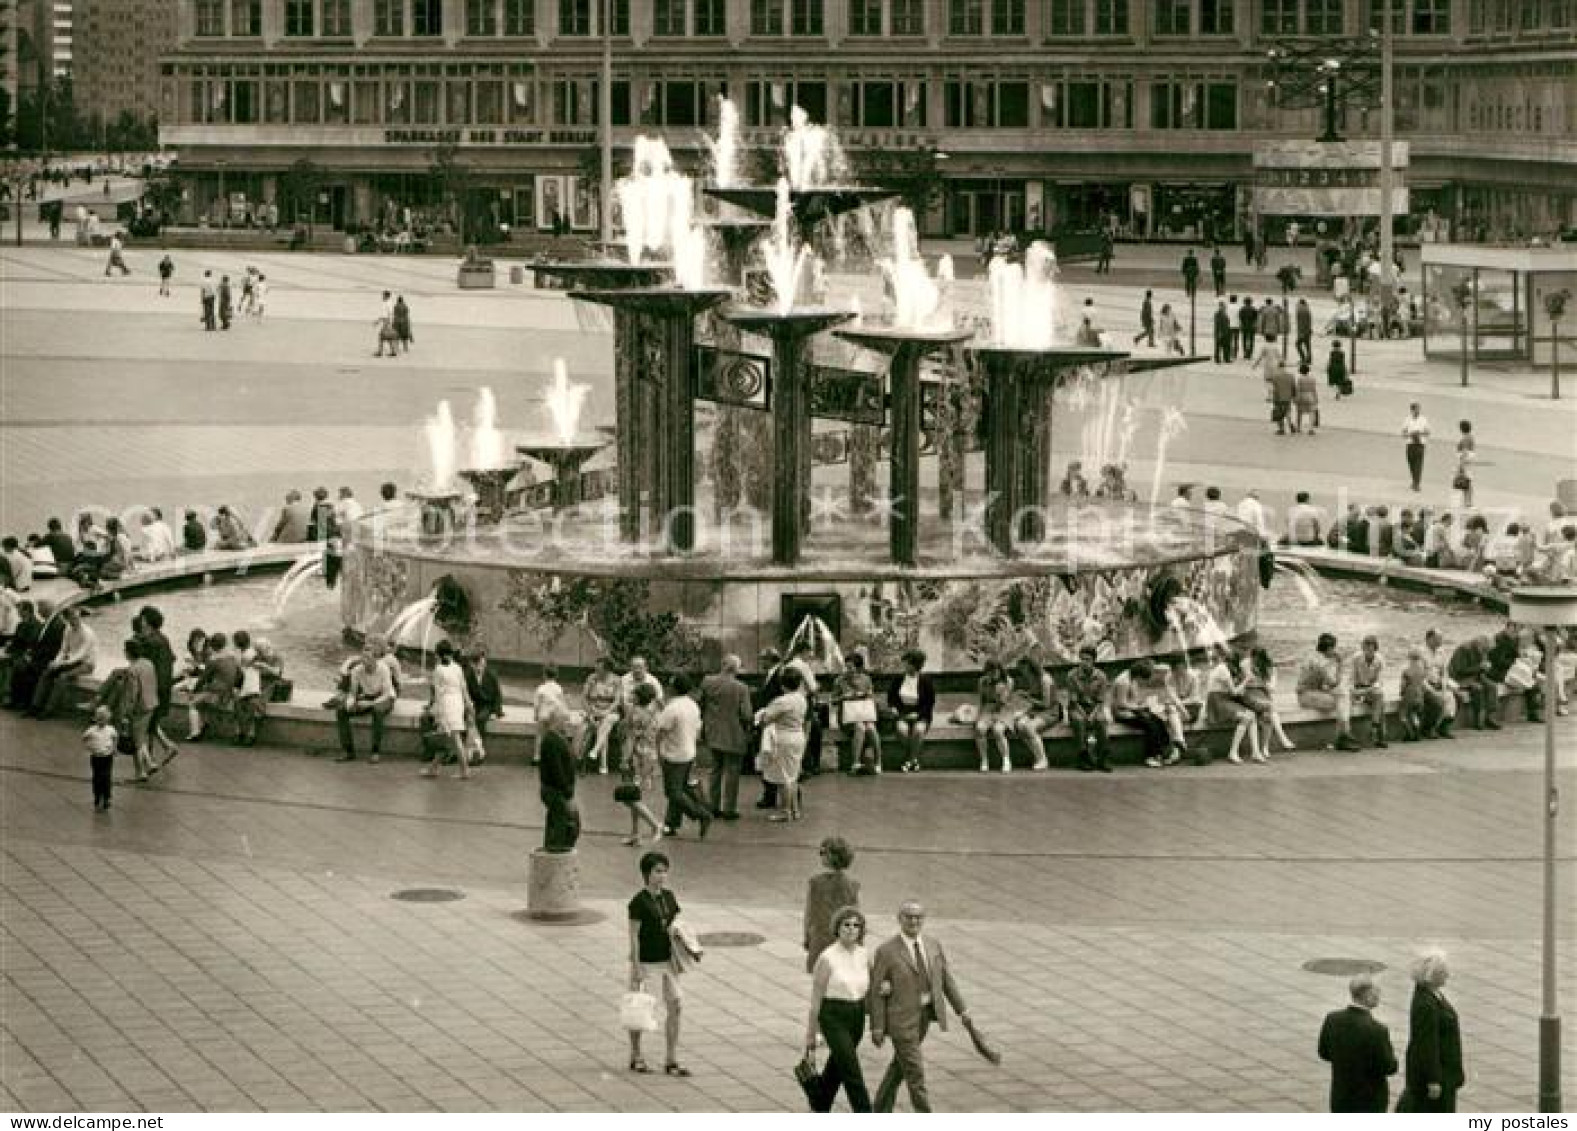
872	18
876	103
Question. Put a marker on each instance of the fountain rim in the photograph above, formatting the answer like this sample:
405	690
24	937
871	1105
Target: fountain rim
879	336
765	318
1076	355
668	294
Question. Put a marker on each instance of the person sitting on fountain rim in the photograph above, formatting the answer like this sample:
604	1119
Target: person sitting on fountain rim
1510	645
602	694
1043	708
487	697
370	692
1087	692
1321	687
1367	669
1305	522
1134	705
1475	691
997	715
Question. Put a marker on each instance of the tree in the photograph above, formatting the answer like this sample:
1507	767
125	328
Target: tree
451	182
298	190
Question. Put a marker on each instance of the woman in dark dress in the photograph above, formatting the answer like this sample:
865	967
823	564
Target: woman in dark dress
1434	1041
828	891
652	912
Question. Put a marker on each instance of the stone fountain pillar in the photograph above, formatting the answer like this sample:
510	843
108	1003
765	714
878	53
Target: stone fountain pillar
790	334
742	449
664	318
906	348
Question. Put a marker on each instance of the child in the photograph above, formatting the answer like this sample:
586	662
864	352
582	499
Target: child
100	740
1415	713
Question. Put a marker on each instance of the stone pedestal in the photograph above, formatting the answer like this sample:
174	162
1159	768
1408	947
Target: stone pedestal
553	885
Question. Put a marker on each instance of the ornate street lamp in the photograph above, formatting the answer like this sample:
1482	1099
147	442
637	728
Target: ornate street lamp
1553	608
1555	306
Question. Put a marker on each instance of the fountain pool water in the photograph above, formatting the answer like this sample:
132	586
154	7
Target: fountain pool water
308	636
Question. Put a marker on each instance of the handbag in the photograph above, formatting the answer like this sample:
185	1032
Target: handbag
808	1078
1461	482
859	711
638	1012
281	690
627	793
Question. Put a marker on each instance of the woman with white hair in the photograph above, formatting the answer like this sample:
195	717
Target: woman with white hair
1434	1040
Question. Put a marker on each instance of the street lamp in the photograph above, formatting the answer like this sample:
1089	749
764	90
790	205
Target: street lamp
1553	608
1462	292
1555	307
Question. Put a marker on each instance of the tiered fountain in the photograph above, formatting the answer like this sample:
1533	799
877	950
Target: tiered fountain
921	323
438	499
568	448
489	474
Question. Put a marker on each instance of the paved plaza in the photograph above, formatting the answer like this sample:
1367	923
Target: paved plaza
227	940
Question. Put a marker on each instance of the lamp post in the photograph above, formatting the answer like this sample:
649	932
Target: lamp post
1555	307
605	124
1552	608
1462	292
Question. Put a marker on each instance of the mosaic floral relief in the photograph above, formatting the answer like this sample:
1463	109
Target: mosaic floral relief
373	588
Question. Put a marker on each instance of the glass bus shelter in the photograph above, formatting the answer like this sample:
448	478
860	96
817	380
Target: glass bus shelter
1505	313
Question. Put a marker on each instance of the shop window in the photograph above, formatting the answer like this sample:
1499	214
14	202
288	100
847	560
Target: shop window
908	17
425	110
1278	17
306	102
1007	17
520	17
1111	17
1323	17
210	18
365	98
958	104
966	17
246	17
1173	17
490	102
298	17
766	17
1066	17
808	17
388	17
1215	17
427	17
711	18
865	17
481	18
276	102
336	19
668	17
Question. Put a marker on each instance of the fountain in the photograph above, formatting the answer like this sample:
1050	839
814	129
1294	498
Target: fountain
306	566
438	499
489	473
568	449
920	325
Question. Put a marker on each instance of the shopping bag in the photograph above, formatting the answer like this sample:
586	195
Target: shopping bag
809	1079
638	1012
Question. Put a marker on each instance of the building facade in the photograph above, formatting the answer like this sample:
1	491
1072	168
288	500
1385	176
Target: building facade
61	22
1142	113
116	49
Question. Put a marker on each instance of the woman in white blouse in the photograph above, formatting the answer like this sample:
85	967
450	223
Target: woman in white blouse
837	1010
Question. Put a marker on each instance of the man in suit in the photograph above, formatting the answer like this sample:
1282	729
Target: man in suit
726	717
911	986
1359	1051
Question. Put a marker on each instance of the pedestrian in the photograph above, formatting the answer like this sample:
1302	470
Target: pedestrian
1336	372
1103	264
226	310
1415	434
678	733
1234	308
1294	229
166	271
99	740
260	296
1218	271
725	727
117	259
911	986
449	705
1248	324
1434	1040
149	628
840	984
1467	456
1146	321
402	324
1283	391
556	781
639	776
248	282
1221	326
210	297
1358	1049
1303	334
1171	331
652	912
1249	246
388	337
827	892
1306	395
1190	273
784	723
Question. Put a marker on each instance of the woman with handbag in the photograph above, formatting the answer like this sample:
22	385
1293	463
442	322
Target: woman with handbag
837	1009
912	697
784	723
856	697
652	912
827	893
638	774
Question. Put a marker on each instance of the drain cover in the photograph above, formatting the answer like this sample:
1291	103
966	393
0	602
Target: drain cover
732	938
1343	967
428	895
